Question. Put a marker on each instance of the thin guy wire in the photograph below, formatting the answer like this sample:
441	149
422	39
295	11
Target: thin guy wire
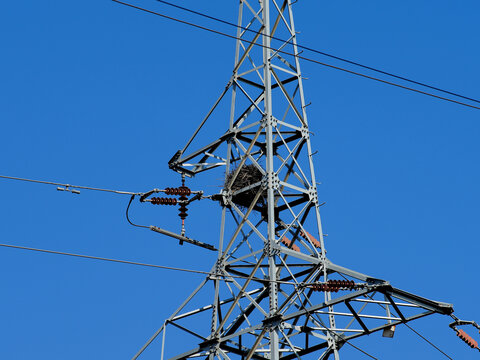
363	351
189	271
383	307
104	259
69	186
134	263
325	326
318	51
334	333
428	341
298	56
415	331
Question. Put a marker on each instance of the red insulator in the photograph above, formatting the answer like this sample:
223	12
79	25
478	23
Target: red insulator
334	286
183	208
183	212
288	243
164	201
308	236
467	338
182	190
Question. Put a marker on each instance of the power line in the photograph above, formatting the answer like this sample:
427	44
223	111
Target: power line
383	307
428	341
296	55
363	351
67	186
319	52
424	338
336	335
104	259
140	264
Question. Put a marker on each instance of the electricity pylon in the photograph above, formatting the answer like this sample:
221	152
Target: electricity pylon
275	293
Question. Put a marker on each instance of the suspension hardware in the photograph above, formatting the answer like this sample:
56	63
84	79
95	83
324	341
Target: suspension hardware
467	338
182	201
462	334
335	286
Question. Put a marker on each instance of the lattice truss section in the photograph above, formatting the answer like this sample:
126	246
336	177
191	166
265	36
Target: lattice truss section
272	293
241	150
303	319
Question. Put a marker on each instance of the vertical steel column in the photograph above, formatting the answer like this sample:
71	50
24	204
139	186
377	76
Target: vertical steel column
270	176
328	296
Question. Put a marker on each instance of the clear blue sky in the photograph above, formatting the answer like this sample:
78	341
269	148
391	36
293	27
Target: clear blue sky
93	93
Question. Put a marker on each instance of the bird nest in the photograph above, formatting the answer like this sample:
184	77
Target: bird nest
248	175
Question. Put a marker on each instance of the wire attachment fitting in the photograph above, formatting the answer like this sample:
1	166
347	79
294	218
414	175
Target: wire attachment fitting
462	334
66	188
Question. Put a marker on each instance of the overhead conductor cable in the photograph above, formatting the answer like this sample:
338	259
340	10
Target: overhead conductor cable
168	191
306	58
318	51
18	247
68	187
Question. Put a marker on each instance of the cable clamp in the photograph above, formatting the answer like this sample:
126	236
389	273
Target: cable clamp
66	188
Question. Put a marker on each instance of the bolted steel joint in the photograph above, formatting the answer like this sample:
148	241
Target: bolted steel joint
312	193
271	180
271	251
305	133
274	322
269	121
219	267
227	197
333	340
210	345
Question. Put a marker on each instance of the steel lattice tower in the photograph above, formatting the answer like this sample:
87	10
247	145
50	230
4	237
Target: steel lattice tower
275	293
